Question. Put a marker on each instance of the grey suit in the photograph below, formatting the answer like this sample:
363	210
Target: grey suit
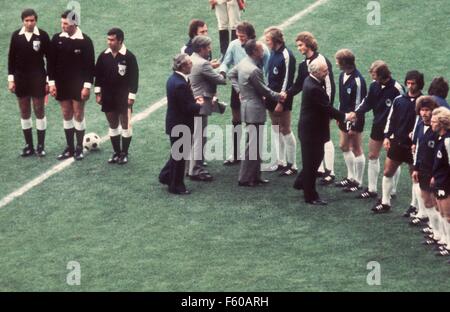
248	81
204	81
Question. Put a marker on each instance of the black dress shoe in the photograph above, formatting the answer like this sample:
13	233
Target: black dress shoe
247	184
204	177
178	192
262	181
317	202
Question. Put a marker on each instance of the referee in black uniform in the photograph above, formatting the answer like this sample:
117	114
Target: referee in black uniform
71	72
27	78
116	85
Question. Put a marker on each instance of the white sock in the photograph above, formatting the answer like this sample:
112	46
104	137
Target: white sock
421	213
41	124
80	125
396	179
442	232
26	123
436	224
373	171
414	196
360	163
321	167
448	234
445	232
349	159
282	151
275	146
291	149
387	185
329	156
68	124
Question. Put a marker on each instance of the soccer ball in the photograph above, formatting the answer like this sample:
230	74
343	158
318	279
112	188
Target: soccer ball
91	141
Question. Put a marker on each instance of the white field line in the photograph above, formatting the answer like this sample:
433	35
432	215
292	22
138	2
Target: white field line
136	118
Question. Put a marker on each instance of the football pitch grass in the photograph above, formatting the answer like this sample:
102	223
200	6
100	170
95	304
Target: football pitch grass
128	234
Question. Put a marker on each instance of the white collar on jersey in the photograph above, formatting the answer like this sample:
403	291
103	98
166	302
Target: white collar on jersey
23	31
77	35
123	50
27	34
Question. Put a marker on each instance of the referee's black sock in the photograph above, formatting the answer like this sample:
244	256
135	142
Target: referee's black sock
126	140
27	128
115	142
28	135
80	127
69	138
41	126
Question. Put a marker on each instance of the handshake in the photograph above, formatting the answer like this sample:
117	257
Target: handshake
281	100
351	117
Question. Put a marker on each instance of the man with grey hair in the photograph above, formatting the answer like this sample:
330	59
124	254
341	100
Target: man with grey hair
248	81
181	109
204	81
314	128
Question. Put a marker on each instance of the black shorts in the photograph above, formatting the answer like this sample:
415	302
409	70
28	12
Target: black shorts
358	126
69	89
442	192
424	181
400	153
287	105
235	102
117	103
377	132
30	85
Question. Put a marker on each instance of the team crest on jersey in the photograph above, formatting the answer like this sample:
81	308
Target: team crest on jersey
122	69
36	45
431	144
77	51
388	102
439	155
349	90
275	71
441	193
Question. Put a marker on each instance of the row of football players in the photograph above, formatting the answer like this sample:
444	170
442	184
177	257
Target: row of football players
71	69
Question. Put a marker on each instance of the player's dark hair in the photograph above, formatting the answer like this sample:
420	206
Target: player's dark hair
118	33
246	28
382	71
29	12
250	46
72	14
346	59
425	101
194	25
438	87
417	77
308	39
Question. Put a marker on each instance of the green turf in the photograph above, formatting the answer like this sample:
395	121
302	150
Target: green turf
129	234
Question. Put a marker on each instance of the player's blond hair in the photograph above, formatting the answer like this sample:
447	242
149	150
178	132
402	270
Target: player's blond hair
443	116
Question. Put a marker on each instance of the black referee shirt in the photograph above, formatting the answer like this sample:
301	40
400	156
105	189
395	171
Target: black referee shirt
117	75
71	59
25	56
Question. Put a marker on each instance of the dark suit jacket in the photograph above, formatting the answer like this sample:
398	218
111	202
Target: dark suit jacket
181	105
315	113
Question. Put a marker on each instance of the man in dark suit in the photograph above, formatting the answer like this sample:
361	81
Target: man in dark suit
314	128
181	109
